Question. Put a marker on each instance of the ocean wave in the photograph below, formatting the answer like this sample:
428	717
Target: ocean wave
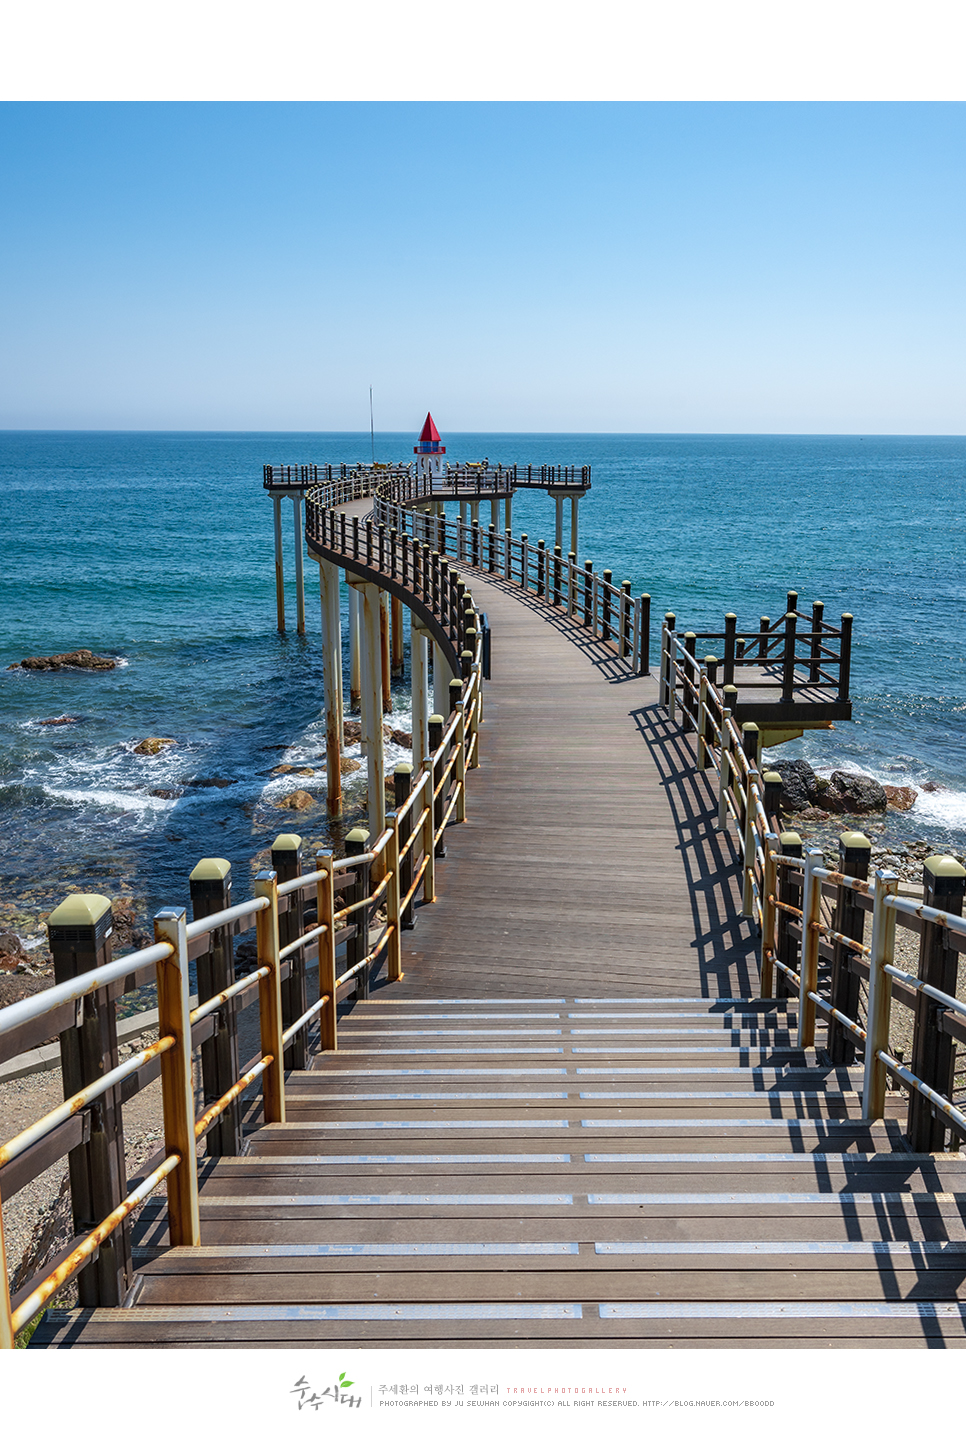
114	798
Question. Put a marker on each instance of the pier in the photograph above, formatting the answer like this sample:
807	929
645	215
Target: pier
575	1046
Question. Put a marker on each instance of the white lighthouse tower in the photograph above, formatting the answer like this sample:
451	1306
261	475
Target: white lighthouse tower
429	454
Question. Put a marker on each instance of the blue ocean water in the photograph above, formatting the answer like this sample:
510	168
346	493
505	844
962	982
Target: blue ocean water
157	549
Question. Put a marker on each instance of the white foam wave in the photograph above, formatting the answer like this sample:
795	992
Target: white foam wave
109	798
946	807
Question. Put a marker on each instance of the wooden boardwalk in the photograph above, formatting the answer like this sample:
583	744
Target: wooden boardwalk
571	1123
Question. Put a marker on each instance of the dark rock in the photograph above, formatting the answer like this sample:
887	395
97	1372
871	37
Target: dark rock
57	721
899	796
850	793
299	800
814	815
798	782
351	730
931	787
84	659
209	782
401	738
10	943
165	792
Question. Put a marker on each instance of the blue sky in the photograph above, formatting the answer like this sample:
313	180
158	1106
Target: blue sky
788	267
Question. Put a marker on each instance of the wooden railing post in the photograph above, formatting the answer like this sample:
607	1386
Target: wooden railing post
667	627
393	923
210	887
606	605
811	934
644	659
687	691
541	567
426	806
588	592
724	773
177	1081
79	932
788	654
402	788
855	852
557	569
769	915
702	747
791	894
880	995
270	998
287	863
845	657
933	1051
771	785
357	945
624	604
455	699
436	725
325	913
752	786
818	608
731	628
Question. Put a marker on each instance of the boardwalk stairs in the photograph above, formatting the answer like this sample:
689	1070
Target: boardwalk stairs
560	1172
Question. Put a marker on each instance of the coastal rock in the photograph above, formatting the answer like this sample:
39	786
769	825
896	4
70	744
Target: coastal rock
931	787
798	782
208	782
850	793
281	768
351	730
349	765
899	796
150	747
305	772
401	738
298	800
83	660
57	721
164	792
10	944
813	814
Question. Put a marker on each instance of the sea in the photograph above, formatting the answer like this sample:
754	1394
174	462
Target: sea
157	549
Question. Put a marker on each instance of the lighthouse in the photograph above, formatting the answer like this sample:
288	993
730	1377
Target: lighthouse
429	453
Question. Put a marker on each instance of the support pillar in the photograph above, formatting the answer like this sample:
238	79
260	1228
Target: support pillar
332	683
372	740
558	522
279	563
384	651
419	667
574	506
355	632
495	512
441	677
508	513
299	569
398	651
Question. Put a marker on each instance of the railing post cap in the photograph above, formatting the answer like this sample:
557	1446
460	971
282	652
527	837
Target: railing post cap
854	840
208	871
730	616
406	767
846	616
287	844
789	839
81	909
944	866
748	727
437	718
265	874
710	660
357	836
772	777
456	682
690	636
730	690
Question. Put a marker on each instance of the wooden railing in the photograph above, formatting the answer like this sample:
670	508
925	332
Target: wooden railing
811	916
298	926
480	477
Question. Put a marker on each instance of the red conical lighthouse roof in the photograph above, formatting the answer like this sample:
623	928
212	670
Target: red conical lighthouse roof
430	434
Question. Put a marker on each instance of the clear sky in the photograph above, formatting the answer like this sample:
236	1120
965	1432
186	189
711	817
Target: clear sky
789	267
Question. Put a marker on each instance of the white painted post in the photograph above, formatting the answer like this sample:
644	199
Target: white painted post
372	739
332	682
558	522
702	717
495	512
811	930
419	658
177	1081
441	676
355	624
769	916
299	568
752	782
880	995
574	503
279	563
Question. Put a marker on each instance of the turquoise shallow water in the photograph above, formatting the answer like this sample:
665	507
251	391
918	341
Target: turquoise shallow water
157	548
